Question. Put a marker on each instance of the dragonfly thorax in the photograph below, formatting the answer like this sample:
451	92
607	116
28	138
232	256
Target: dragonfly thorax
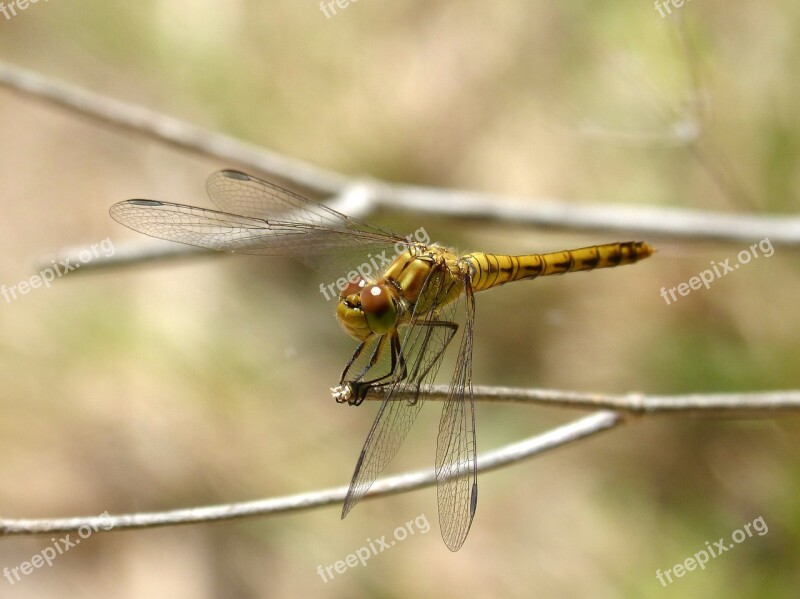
365	309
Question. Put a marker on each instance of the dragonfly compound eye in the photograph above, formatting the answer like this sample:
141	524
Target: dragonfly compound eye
354	286
379	308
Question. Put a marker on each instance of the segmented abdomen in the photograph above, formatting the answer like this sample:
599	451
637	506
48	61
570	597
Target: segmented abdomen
491	270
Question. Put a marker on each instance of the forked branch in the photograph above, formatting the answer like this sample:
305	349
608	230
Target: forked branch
650	223
753	405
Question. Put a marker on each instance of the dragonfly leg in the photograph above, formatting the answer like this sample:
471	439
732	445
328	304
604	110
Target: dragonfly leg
360	388
354	357
399	367
344	391
354	391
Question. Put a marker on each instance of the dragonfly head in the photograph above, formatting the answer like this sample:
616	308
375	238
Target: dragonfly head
365	309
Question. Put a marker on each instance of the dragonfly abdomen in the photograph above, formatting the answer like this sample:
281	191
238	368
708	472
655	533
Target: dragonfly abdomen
493	270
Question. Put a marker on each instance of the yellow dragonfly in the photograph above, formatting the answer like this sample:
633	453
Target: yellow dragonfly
403	318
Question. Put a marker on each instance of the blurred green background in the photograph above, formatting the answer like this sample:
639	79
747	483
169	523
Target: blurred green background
206	381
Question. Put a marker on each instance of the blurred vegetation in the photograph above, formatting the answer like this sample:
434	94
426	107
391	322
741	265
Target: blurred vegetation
206	381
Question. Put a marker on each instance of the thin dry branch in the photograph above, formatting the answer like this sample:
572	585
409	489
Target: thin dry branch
647	222
752	405
574	431
168	130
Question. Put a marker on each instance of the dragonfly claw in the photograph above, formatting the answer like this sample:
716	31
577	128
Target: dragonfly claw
342	393
350	393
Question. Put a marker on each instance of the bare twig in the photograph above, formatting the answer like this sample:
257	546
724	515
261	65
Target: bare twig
129	253
651	223
169	130
573	431
752	405
646	222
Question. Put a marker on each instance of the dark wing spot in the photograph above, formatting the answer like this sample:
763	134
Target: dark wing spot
145	203
236	175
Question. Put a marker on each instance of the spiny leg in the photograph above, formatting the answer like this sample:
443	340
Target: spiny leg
354	391
353	358
360	387
343	391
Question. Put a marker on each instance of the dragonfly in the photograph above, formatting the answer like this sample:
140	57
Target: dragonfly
403	318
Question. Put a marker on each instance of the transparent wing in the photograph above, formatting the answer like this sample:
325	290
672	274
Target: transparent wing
235	233
423	347
259	218
239	193
456	459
